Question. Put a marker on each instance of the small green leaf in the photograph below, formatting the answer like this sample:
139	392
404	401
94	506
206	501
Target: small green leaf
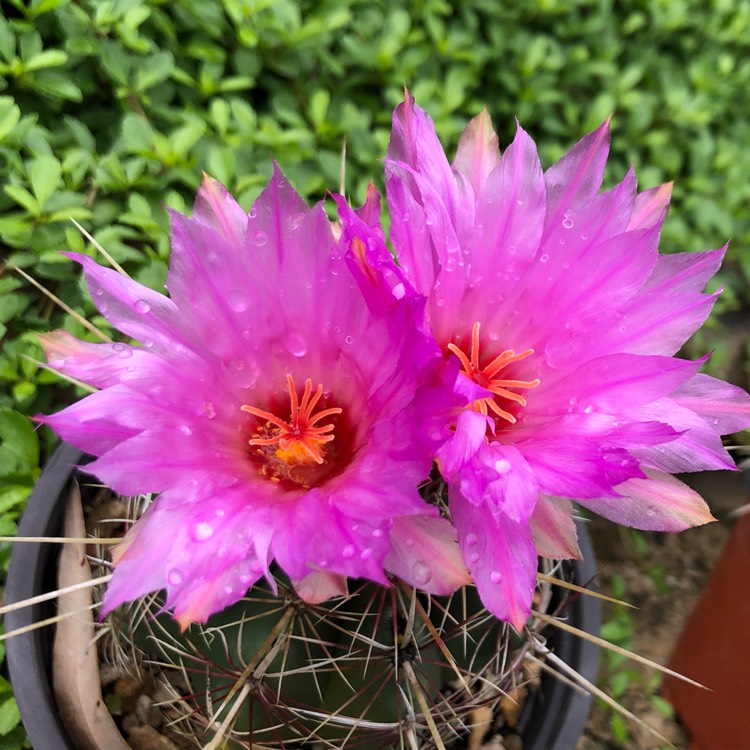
24	197
44	173
9	716
18	436
10	114
50	58
154	70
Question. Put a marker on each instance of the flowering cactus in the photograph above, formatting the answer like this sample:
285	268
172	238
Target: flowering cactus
281	413
553	298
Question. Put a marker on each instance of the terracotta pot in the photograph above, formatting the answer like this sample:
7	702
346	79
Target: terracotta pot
714	650
552	719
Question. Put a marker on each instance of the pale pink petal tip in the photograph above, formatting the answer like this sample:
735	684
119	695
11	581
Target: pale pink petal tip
319	586
425	554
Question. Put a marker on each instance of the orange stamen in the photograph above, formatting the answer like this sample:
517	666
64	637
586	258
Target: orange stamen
485	376
299	441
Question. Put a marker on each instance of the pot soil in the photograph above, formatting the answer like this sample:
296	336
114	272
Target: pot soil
553	716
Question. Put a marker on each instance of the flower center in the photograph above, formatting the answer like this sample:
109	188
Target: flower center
487	377
300	443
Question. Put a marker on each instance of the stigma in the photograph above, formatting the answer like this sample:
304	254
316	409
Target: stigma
489	377
301	441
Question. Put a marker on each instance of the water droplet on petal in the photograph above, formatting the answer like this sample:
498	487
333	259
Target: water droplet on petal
544	258
261	238
348	551
209	410
185	430
588	409
175	577
202	531
142	306
253	212
471	539
409	542
399	291
450	264
651	511
99	292
377	533
295	344
474	557
421	572
348	339
502	466
366	553
568	223
238	300
228	590
496	576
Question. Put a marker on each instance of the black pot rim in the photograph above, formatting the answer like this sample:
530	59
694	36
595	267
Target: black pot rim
553	719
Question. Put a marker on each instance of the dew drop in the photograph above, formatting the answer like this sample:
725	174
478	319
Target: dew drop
366	553
253	212
409	542
209	410
348	339
588	410
148	343
202	531
219	512
544	258
99	292
502	466
474	557
421	572
228	590
295	344
185	430
348	551
496	576
471	539
450	264
377	533
142	306
568	223
175	577
261	238
651	511
399	291
238	300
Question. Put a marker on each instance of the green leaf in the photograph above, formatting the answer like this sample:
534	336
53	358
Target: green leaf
9	716
154	70
10	114
44	173
24	197
50	58
7	40
17	435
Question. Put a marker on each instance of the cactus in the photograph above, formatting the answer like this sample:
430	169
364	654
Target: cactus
383	667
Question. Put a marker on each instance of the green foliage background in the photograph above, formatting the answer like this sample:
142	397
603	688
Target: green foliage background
109	110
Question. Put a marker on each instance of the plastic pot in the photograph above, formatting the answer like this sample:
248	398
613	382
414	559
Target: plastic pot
553	718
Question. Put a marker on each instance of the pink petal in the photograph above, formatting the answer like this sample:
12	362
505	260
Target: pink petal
500	556
726	407
576	178
478	151
651	207
555	535
658	503
319	586
425	554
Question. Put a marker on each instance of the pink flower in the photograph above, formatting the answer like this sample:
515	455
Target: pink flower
553	297
281	413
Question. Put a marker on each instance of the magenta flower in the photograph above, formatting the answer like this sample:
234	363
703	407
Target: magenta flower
553	297
281	413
